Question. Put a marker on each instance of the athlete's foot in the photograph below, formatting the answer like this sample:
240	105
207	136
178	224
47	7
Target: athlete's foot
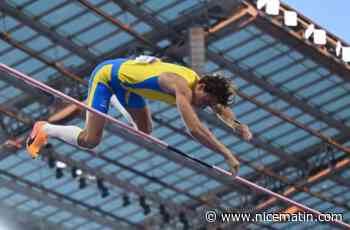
36	139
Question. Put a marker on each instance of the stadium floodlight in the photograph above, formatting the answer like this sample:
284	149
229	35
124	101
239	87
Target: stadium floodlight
60	165
338	49
90	177
309	31
79	172
320	37
273	7
346	54
261	4
76	172
290	18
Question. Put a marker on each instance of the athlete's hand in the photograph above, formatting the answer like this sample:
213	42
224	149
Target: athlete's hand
233	163
245	132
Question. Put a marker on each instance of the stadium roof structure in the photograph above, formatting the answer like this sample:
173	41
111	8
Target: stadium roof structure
294	95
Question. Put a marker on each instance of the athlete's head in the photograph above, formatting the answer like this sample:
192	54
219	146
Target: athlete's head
212	90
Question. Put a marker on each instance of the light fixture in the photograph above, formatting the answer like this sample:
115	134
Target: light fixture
104	192
100	184
144	205
290	18
126	200
184	221
51	162
338	49
165	215
309	31
61	165
272	7
146	210
76	172
82	182
142	200
59	173
261	4
346	54
90	177
320	37
102	188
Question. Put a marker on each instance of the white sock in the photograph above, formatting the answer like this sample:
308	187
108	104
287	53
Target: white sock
116	104
68	134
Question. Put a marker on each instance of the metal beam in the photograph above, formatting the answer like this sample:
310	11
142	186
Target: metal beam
109	128
257	142
120	25
341	180
227	64
20	85
283	179
296	40
241	13
313	132
125	185
45	30
76	207
26	219
307	153
303	155
317	177
251	77
128	136
7	38
115	181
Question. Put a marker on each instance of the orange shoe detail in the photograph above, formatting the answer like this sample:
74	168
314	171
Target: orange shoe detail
36	139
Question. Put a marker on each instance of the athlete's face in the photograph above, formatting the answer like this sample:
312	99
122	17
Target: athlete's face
202	99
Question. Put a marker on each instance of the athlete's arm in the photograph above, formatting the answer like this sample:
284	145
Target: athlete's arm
178	87
229	118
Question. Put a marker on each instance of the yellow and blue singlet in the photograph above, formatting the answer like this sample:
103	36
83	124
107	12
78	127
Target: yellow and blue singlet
132	81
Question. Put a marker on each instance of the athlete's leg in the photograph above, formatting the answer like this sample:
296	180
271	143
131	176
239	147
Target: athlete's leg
142	118
99	96
91	136
140	112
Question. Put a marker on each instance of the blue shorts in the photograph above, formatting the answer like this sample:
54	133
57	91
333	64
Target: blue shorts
104	82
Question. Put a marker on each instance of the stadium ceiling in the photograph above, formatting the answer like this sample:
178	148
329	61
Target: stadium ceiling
293	94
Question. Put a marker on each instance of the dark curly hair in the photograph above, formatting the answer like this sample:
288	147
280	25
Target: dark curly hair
220	87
